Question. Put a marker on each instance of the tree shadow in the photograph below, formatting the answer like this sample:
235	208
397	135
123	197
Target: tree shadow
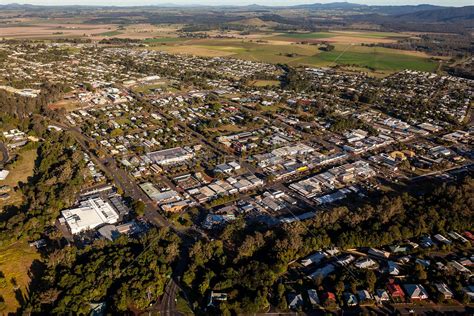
35	274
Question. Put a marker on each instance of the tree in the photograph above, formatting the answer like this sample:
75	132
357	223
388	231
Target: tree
420	272
371	279
139	207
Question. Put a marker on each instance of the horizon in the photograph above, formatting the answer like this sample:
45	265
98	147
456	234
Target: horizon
269	3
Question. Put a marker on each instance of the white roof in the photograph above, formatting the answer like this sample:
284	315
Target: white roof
90	214
4	174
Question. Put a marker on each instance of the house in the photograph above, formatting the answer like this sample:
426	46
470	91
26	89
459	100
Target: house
393	268
364	296
322	272
329	298
366	263
416	291
469	290
378	253
216	297
313	297
4	174
395	290
440	238
314	258
349	299
444	290
295	301
381	296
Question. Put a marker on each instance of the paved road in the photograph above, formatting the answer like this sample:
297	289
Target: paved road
130	188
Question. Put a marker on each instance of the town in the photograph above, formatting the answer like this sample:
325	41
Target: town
204	146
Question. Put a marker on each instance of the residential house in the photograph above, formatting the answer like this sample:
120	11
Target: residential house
416	291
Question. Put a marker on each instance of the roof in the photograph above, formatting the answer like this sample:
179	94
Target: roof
90	214
416	291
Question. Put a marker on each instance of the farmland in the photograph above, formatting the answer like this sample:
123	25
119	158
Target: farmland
293	48
368	58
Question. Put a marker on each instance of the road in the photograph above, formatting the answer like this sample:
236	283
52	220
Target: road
131	188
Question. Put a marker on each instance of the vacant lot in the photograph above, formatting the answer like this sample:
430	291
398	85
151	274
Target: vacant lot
15	262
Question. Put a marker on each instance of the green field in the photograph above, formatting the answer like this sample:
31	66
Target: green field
164	40
373	59
312	35
111	33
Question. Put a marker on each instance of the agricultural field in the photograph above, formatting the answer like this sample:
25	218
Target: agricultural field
294	48
367	58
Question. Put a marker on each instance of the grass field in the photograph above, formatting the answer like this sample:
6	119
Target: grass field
265	83
15	261
20	172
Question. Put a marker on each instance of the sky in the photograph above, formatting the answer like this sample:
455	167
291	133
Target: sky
236	2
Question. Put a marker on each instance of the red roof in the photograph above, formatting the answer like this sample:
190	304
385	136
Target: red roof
469	235
329	296
395	290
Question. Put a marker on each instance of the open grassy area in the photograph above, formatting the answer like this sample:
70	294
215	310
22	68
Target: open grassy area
147	88
15	262
265	83
20	171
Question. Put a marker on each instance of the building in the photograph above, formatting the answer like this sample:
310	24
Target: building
313	297
4	174
416	291
444	290
314	258
89	214
170	156
295	301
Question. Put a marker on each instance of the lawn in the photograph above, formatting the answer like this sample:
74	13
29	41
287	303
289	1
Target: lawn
15	262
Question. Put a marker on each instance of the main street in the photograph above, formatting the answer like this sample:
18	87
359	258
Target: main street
131	189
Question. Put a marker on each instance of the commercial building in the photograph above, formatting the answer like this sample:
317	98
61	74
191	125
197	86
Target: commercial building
89	214
170	156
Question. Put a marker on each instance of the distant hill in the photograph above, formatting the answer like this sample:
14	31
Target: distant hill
382	9
441	15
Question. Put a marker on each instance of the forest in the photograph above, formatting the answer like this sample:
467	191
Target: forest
126	274
58	176
247	262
